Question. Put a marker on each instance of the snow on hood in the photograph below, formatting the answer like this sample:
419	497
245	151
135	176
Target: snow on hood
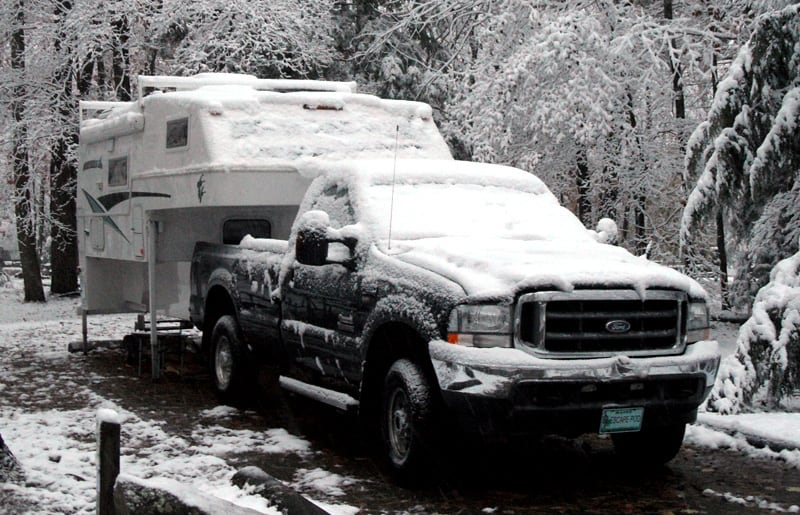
492	268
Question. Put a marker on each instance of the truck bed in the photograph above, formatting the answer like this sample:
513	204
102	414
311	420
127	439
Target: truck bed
250	271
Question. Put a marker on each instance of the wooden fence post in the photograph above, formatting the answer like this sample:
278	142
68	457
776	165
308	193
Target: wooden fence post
108	445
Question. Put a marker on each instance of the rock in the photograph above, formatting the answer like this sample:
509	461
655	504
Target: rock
284	498
10	469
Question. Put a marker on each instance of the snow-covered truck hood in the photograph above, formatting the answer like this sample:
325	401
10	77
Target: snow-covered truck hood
501	268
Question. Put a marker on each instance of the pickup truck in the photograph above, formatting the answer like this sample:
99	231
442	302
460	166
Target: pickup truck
422	292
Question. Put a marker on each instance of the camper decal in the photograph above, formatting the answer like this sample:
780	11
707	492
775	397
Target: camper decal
105	203
201	188
112	199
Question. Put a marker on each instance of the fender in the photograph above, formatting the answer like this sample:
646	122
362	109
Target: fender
414	313
224	279
397	313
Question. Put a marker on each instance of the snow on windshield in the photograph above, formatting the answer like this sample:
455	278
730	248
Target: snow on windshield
429	210
428	198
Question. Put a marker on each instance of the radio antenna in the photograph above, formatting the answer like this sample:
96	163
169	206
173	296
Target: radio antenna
394	176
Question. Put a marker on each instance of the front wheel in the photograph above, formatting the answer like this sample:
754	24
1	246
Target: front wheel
407	419
651	447
228	362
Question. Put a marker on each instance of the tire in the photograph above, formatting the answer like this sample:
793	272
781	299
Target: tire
651	447
407	416
228	360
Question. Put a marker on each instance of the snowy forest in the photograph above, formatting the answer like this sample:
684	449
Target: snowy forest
675	118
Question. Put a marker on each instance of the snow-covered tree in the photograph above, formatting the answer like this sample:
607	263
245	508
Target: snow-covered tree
583	95
766	366
16	91
266	38
745	158
596	97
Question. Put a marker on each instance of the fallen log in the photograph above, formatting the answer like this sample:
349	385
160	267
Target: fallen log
283	497
138	496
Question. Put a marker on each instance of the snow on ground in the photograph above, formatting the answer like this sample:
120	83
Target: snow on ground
56	446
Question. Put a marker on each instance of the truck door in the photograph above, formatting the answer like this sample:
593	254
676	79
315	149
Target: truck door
322	311
257	279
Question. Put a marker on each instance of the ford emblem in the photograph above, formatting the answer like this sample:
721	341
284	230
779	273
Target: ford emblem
618	326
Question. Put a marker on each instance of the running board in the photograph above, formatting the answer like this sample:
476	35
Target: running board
338	400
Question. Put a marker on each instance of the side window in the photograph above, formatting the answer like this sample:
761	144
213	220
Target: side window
234	230
336	202
118	171
177	133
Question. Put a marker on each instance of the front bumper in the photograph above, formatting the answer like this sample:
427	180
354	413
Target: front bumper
510	391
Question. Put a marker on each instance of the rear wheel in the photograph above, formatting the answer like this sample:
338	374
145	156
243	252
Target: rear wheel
651	447
407	419
228	361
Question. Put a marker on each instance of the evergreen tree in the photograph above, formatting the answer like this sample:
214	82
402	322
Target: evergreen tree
746	155
766	367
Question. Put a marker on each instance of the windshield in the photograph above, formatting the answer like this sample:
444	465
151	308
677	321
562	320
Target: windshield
429	210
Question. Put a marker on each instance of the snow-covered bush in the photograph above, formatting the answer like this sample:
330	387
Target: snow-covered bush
766	366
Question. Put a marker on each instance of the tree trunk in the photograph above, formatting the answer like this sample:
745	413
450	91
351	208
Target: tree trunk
26	228
723	261
584	188
675	69
63	227
63	176
100	66
721	249
120	62
609	192
640	197
640	224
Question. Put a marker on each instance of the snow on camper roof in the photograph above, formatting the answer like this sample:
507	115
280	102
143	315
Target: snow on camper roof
239	121
161	82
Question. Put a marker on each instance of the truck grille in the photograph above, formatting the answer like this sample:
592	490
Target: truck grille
594	323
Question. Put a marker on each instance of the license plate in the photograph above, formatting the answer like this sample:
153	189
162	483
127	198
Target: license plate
621	420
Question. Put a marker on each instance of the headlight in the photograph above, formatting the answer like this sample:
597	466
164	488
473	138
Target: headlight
697	322
480	326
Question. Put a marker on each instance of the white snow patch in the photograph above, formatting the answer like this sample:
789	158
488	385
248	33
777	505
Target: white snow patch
109	416
706	437
752	501
220	412
781	428
324	481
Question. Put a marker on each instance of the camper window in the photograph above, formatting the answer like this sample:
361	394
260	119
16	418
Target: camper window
118	171
234	230
178	133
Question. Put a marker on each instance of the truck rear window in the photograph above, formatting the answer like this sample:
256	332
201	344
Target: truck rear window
234	230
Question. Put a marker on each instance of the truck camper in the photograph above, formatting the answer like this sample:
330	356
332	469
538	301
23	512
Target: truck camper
328	242
212	158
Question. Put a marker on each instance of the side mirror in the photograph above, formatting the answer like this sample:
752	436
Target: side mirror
311	245
607	231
